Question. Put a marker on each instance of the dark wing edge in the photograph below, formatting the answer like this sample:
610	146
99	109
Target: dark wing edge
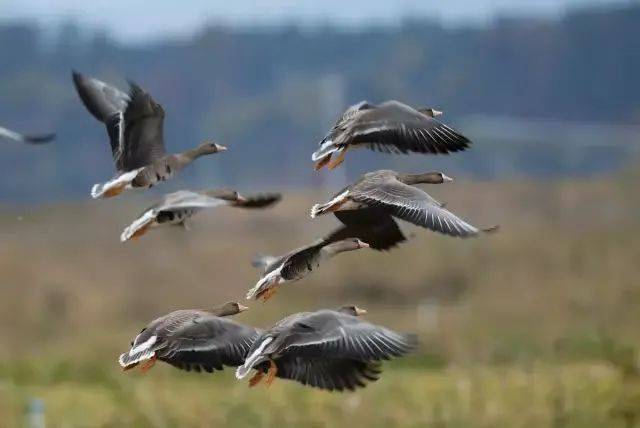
261	200
306	258
143	132
402	138
234	342
376	228
328	374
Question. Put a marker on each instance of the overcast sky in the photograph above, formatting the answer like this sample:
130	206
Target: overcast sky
137	21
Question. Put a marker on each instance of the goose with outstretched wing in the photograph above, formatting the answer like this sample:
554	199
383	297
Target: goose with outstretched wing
333	350
178	207
393	194
192	339
134	124
390	127
296	264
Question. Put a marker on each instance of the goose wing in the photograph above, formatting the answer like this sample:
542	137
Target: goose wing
327	145
371	225
333	374
413	205
341	335
140	133
202	341
102	100
300	262
107	104
30	139
260	200
396	127
185	199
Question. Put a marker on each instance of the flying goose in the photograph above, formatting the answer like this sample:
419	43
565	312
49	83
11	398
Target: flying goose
296	264
390	127
134	124
392	193
29	139
192	339
176	208
327	349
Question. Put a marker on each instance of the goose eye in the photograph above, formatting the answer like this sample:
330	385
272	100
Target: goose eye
305	326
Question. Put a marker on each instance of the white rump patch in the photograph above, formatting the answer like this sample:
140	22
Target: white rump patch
143	346
4	132
244	369
126	360
319	209
98	190
325	149
141	352
139	223
264	283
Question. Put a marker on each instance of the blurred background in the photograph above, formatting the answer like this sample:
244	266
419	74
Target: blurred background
534	326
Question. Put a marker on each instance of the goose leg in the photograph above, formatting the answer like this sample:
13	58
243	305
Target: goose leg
114	191
271	373
256	379
322	162
147	365
268	293
138	233
337	161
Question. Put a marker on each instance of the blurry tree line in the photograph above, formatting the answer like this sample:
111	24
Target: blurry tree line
264	92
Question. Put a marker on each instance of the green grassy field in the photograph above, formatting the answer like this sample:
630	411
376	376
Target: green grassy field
575	395
535	326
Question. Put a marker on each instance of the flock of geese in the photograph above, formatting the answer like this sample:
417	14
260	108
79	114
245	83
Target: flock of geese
327	349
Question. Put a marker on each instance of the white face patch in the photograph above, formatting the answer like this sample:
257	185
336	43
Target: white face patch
143	346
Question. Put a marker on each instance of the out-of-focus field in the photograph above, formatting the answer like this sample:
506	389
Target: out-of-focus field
537	325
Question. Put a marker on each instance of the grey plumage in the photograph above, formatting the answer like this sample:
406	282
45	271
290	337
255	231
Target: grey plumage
391	127
177	207
327	349
24	138
192	339
297	264
391	194
134	123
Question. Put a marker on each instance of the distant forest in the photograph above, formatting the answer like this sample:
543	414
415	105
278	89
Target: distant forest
270	94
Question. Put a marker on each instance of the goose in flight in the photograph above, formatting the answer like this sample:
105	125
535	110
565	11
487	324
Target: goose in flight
326	349
392	194
178	207
297	264
192	339
390	127
29	139
134	124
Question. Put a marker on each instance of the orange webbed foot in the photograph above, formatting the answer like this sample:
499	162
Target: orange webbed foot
322	162
267	294
337	161
256	379
114	191
271	373
147	365
138	233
